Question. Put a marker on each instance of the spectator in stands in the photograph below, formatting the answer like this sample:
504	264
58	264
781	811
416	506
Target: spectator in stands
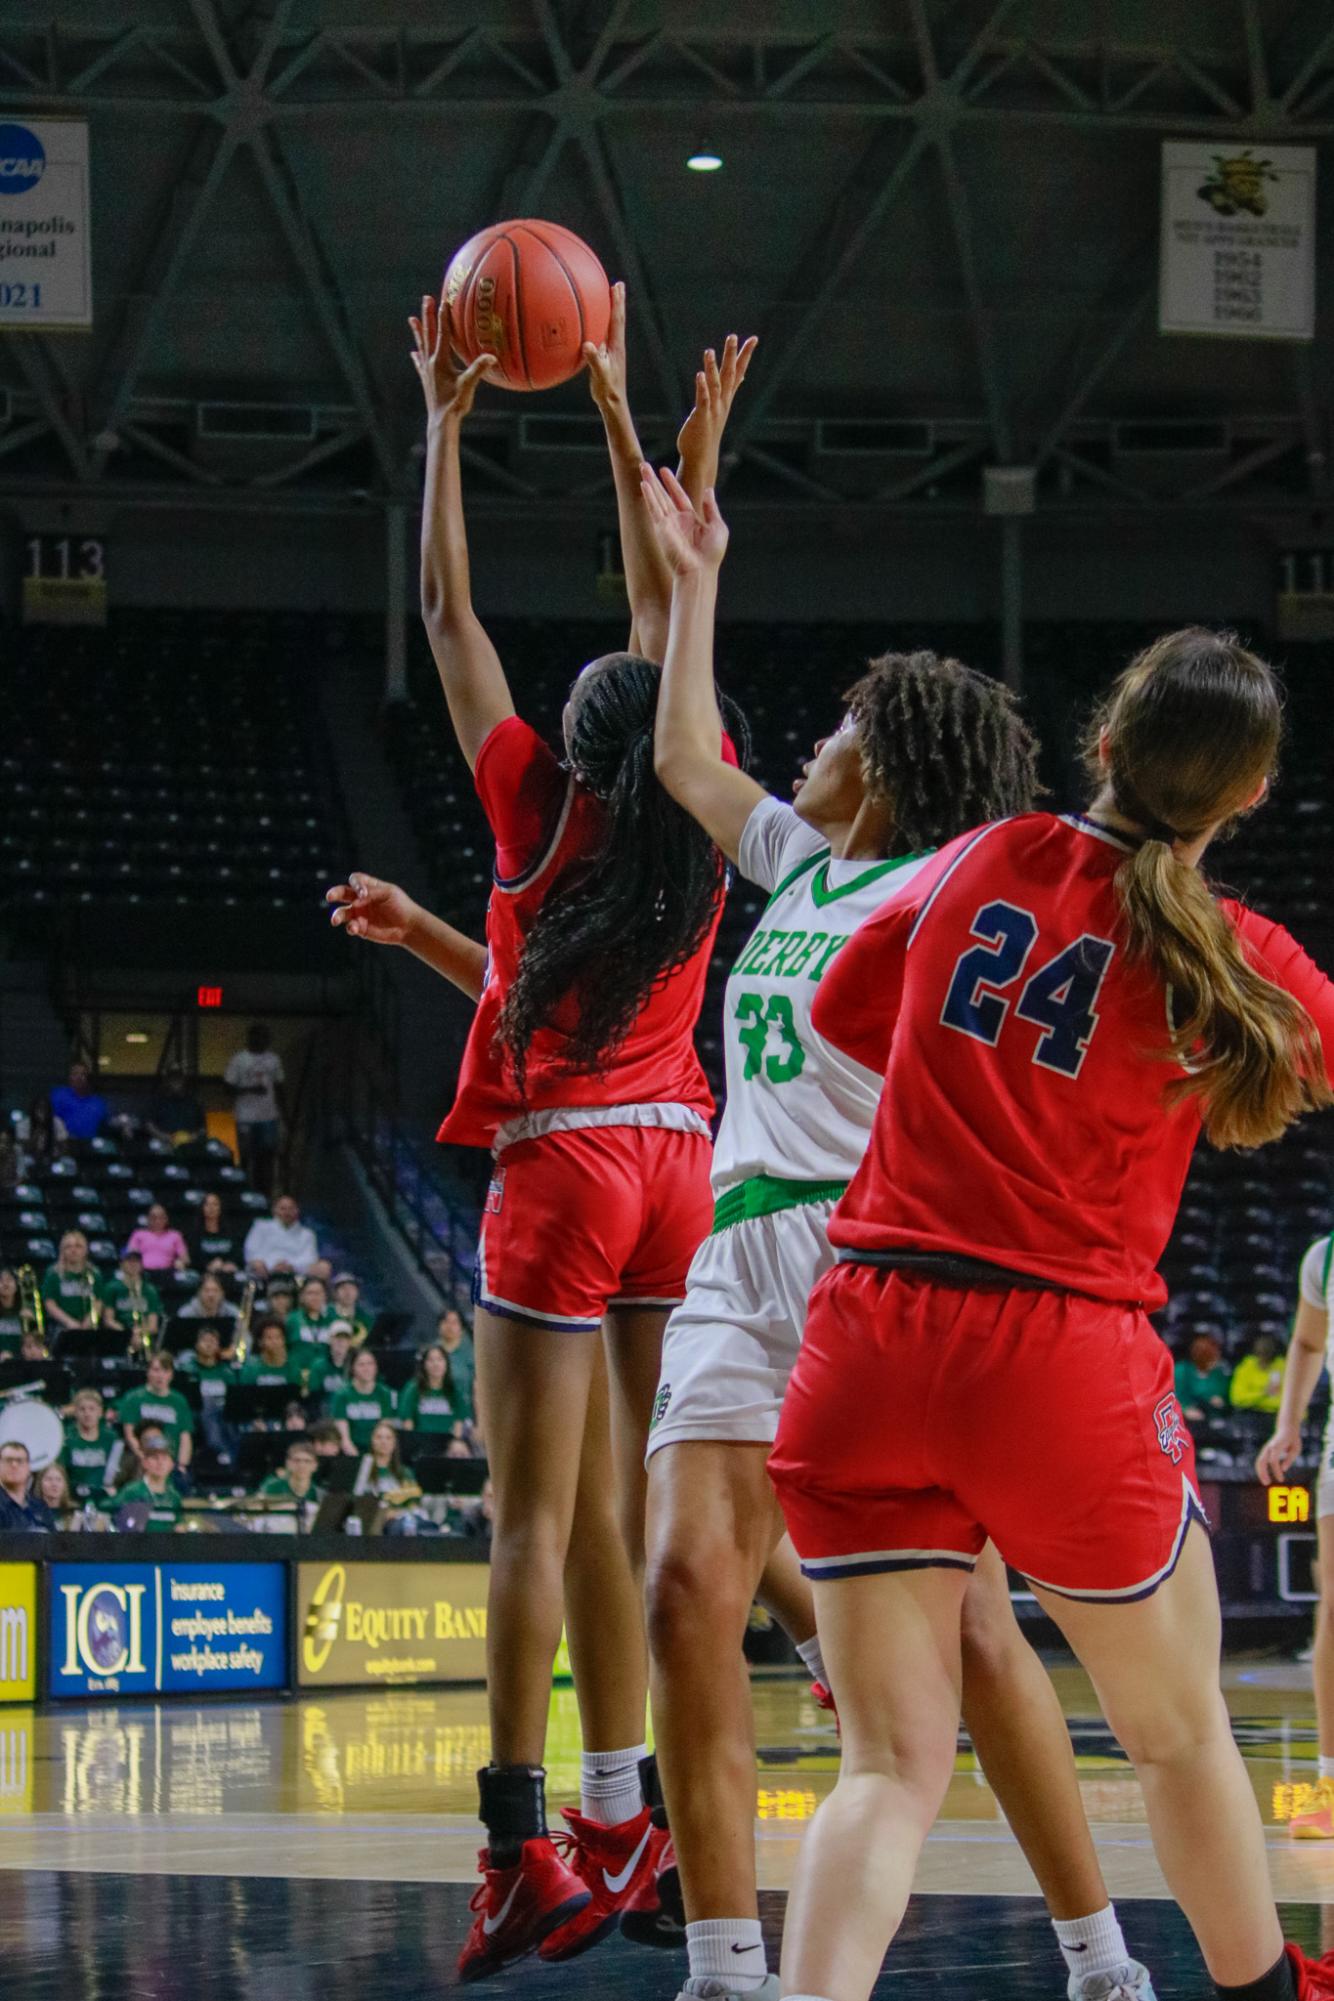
279	1296
476	1520
347	1305
456	1341
206	1367
383	1474
11	1312
20	1508
81	1109
254	1076
32	1348
297	1480
331	1366
161	1247
210	1302
213	1245
53	1490
162	1406
155	1486
72	1293
428	1403
1202	1379
365	1403
174	1114
282	1242
42	1139
132	1301
272	1365
93	1451
309	1323
1257	1380
327	1439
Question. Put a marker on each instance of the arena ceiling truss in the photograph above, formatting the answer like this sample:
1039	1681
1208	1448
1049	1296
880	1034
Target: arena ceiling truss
940	215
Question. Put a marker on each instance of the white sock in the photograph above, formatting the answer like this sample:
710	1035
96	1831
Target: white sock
813	1660
609	1784
1327	1768
1093	1944
730	1950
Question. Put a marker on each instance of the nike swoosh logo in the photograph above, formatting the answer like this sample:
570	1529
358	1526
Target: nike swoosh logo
1077	1948
618	1882
748	1948
490	1925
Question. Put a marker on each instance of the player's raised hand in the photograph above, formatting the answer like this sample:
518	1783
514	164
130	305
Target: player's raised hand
369	908
1279	1453
701	436
606	363
693	539
449	390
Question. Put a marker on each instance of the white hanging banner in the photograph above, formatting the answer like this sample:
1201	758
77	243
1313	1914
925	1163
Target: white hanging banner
45	260
1237	252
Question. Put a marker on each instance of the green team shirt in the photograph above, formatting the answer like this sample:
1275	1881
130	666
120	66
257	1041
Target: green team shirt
212	1380
164	1510
300	1326
11	1331
290	1374
326	1378
166	1408
279	1488
74	1291
86	1460
363	1410
123	1302
428	1410
462	1373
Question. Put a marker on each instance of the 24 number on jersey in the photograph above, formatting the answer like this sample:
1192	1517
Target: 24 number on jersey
1059	998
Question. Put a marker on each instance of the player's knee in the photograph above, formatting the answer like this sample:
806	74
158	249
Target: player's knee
1177	1727
691	1596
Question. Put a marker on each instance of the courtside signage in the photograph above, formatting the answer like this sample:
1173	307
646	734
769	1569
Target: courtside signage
390	1624
45	253
125	1629
18	1632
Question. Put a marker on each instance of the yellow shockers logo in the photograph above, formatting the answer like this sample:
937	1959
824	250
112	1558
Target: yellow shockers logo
1238	184
324	1619
104	1629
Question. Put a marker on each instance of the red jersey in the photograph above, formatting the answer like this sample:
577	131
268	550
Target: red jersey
545	824
1023	1118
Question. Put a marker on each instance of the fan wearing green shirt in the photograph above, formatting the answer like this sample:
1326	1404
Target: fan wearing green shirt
347	1305
11	1312
297	1480
72	1287
456	1341
364	1404
158	1403
155	1485
272	1365
312	1317
331	1368
132	1300
92	1449
429	1403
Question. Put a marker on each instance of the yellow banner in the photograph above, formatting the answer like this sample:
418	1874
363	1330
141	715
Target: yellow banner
18	1632
390	1624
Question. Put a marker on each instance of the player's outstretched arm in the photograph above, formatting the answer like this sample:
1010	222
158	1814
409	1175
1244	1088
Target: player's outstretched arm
648	581
700	439
470	671
1306	1359
379	911
687	734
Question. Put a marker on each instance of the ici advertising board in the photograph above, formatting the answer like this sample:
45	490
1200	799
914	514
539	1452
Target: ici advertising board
127	1629
390	1624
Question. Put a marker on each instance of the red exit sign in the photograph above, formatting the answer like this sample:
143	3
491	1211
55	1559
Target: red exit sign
208	996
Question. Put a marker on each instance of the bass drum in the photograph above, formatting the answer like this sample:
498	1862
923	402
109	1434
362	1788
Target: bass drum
38	1427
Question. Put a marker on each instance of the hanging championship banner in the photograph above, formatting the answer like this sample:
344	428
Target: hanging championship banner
45	262
1237	247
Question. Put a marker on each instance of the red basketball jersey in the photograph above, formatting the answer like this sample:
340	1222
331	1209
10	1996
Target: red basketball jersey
546	823
1023	1116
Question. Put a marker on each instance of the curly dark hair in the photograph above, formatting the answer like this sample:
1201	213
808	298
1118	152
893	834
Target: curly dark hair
618	923
946	745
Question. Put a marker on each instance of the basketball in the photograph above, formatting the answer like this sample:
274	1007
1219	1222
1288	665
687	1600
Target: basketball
530	293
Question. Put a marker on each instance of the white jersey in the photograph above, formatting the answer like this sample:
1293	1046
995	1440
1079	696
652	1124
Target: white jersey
797	1109
1318	1291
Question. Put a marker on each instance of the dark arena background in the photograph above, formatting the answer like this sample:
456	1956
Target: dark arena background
1043	291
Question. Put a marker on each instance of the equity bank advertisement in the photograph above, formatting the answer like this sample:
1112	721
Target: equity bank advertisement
387	1624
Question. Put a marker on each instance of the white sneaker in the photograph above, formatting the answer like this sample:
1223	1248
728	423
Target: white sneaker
1129	1982
703	1987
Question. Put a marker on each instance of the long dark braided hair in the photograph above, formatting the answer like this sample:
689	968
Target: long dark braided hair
615	926
945	745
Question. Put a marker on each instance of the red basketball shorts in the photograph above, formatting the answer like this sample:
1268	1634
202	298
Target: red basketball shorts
594	1217
922	1420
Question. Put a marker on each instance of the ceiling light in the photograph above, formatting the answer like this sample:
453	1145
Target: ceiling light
136	1035
704	160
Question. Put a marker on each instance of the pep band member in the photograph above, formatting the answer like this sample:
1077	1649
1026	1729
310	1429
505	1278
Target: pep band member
1057	1006
581	1074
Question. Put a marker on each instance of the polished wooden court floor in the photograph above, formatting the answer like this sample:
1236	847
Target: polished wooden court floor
325	1847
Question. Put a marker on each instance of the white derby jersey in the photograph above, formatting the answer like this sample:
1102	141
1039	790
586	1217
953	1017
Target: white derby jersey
797	1109
1317	1291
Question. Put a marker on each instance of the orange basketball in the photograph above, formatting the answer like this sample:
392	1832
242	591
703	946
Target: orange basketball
531	293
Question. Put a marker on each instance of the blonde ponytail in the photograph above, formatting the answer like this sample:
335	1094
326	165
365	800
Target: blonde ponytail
1186	740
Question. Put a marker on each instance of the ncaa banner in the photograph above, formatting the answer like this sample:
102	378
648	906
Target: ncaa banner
18	1632
128	1629
1237	244
45	251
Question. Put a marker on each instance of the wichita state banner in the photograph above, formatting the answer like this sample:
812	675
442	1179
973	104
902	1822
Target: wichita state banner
387	1624
1237	247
